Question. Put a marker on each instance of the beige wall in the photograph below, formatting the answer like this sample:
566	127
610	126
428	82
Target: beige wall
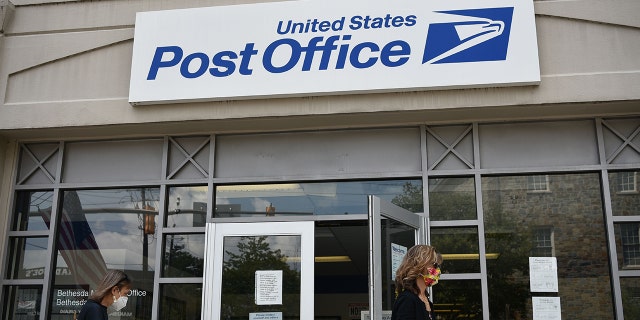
64	70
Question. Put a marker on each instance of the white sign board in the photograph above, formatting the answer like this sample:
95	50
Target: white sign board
265	316
546	308
268	287
397	254
386	315
543	274
302	48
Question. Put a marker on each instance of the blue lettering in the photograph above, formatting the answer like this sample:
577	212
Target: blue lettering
184	67
283	55
246	58
220	62
402	52
267	62
355	54
158	63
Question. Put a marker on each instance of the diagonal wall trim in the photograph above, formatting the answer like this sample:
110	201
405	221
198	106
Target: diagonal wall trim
188	157
626	141
451	147
39	164
618	12
58	46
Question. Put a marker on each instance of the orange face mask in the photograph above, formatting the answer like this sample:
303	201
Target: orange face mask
432	277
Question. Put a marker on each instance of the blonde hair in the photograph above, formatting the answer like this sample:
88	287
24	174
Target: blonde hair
113	278
414	263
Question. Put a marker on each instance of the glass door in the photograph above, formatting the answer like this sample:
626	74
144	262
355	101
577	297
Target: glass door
392	231
259	271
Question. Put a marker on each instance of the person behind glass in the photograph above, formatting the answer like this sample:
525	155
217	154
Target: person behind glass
419	270
111	293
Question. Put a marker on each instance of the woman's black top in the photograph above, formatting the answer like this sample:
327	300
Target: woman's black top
408	306
93	310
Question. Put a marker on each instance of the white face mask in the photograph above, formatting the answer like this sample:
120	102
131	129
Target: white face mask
118	304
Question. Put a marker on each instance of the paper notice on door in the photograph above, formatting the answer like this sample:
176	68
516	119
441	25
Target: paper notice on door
268	287
386	315
543	274
265	316
546	308
397	254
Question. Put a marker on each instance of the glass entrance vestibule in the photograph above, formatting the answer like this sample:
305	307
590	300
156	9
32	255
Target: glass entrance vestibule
488	196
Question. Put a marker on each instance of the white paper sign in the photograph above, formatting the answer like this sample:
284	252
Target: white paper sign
386	315
301	48
397	254
546	308
265	316
268	287
543	274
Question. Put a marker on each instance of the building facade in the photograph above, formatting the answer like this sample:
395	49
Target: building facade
500	178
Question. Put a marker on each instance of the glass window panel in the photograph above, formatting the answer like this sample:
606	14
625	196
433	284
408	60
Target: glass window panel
187	207
180	301
568	221
459	248
22	302
341	268
183	255
27	258
452	199
100	230
243	257
458	299
320	198
33	211
628	245
630	288
625	198
392	233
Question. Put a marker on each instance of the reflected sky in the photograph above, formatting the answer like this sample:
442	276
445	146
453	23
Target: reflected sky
116	218
307	198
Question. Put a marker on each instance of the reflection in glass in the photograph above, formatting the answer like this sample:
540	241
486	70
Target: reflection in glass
459	248
340	283
630	288
393	233
625	194
183	255
458	299
187	207
27	258
243	257
628	245
567	222
22	302
180	301
100	230
452	199
318	198
33	211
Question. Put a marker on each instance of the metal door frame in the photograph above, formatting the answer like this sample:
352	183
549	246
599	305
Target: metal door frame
378	209
212	278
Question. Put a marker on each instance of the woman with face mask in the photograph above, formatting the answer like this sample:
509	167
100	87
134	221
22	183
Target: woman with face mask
419	270
111	294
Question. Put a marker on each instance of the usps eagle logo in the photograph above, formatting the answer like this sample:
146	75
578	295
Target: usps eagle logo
471	35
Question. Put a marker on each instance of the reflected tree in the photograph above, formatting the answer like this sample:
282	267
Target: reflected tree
238	283
182	263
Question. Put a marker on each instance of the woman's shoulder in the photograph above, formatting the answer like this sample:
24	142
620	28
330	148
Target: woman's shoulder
407	294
